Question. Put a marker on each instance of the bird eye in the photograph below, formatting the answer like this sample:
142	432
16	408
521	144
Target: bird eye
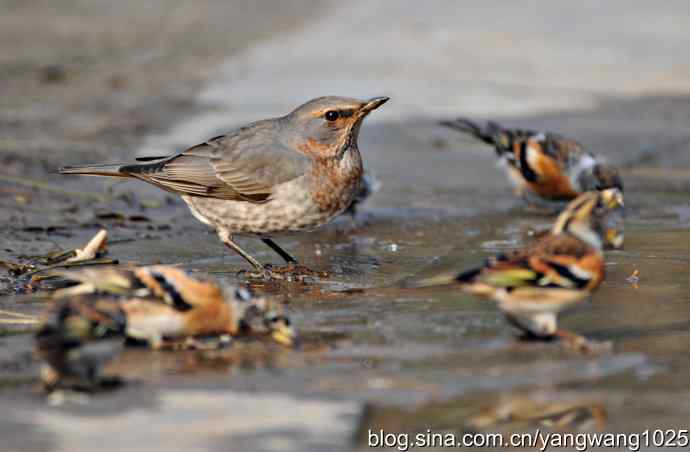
331	115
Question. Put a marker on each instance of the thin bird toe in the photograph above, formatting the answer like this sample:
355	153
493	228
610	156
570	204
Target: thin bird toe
299	271
291	273
587	346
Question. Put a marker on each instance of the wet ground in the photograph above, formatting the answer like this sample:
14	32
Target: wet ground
391	359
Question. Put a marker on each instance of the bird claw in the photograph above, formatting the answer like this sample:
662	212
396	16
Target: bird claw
289	272
263	275
296	270
583	345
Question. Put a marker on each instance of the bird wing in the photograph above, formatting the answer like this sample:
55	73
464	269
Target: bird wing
174	287
159	284
556	146
543	161
253	160
106	280
243	165
556	261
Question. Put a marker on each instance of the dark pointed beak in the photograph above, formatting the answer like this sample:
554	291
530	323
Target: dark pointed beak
374	103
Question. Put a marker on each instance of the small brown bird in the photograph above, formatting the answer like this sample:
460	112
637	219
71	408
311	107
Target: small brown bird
557	271
546	169
292	173
161	305
163	302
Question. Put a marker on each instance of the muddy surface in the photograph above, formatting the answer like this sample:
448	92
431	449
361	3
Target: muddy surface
88	81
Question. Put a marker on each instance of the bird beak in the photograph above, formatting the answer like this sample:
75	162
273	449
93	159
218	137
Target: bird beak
613	198
283	333
373	104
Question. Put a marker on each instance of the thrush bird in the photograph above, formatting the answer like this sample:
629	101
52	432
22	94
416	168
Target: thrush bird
163	302
546	169
557	271
292	173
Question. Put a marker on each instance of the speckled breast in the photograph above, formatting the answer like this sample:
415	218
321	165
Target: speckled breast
303	203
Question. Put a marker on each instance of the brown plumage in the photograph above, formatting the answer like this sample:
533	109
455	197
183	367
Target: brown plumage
291	173
165	302
87	322
558	270
545	168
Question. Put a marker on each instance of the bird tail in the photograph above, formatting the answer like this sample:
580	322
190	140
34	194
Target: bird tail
487	134
106	169
465	280
439	279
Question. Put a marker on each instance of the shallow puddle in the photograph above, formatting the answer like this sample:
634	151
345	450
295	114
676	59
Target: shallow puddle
373	355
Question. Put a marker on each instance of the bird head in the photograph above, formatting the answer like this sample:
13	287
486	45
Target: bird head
600	177
254	313
595	217
327	126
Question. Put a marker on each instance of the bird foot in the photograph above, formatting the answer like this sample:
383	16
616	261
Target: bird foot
290	272
297	270
196	343
581	344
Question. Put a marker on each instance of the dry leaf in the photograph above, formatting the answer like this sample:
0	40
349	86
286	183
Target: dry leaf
96	244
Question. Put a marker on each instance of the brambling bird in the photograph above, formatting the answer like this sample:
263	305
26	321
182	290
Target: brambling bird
164	303
76	338
292	173
557	271
546	169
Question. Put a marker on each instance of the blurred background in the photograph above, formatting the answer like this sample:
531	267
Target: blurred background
89	81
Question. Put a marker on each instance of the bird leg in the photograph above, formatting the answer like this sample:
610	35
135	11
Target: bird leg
580	343
291	271
293	268
281	252
236	248
261	271
547	330
534	327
